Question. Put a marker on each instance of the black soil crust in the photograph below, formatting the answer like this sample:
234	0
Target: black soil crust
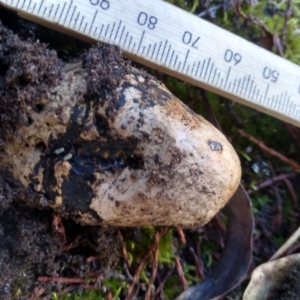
32	246
33	243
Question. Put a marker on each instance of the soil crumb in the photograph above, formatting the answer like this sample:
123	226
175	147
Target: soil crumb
31	246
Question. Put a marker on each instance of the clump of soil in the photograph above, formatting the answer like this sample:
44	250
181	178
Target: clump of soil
23	64
31	245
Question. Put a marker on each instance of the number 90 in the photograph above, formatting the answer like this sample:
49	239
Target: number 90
104	4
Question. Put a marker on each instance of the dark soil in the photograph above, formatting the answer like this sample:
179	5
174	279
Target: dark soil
31	246
31	241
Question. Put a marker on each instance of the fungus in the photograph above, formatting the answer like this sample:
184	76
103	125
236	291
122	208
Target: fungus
119	149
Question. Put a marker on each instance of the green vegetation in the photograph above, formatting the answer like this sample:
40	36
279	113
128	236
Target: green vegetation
85	295
137	247
257	165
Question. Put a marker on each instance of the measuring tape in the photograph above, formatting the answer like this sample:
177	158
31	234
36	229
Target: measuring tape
162	36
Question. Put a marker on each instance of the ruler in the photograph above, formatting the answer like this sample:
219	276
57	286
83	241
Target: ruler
162	36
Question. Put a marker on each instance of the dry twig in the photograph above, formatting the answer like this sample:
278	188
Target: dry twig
124	250
109	295
37	292
277	220
292	193
58	226
143	262
293	249
92	258
291	240
181	235
181	274
154	267
270	181
271	151
237	9
66	290
199	267
287	15
65	280
163	282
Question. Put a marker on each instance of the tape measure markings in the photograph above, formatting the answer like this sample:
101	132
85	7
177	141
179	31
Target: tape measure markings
185	55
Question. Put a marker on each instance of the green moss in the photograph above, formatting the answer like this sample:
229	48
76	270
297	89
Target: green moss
272	15
189	271
208	247
166	249
259	201
20	285
86	295
172	287
137	247
116	286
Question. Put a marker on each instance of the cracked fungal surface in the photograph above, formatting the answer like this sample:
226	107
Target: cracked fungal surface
104	143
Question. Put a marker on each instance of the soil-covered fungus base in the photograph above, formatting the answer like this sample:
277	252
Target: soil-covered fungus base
106	143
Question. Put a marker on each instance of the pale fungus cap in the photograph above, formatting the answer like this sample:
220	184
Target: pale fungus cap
135	157
189	168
